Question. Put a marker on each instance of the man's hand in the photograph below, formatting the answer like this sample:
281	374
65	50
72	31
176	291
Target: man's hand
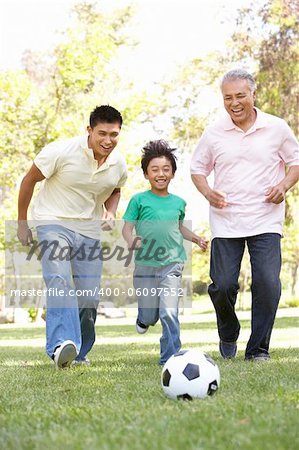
24	233
107	221
276	194
216	198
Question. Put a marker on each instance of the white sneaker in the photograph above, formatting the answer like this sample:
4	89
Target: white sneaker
65	354
140	327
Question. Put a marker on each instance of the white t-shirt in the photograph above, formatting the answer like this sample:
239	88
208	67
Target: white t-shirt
75	189
246	165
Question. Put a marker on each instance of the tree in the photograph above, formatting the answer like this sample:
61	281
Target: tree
266	40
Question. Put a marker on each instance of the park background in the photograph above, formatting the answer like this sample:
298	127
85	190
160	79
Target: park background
160	64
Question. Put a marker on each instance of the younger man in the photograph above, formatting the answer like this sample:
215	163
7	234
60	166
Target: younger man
81	182
158	219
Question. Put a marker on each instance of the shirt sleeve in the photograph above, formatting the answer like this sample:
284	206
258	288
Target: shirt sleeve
289	149
182	211
132	211
48	159
202	161
123	179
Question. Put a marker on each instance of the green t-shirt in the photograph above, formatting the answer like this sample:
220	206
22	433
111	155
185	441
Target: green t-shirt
156	221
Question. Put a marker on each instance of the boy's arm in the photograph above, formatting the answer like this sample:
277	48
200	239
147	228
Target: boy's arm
190	236
127	232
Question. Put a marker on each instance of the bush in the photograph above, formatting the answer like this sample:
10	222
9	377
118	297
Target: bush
199	287
293	303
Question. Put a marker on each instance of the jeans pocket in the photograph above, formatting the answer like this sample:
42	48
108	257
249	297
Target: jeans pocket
177	270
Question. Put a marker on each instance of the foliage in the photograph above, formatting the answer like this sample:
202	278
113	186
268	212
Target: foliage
267	40
200	263
33	314
186	93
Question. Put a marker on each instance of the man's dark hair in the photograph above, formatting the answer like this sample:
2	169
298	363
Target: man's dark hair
157	149
105	113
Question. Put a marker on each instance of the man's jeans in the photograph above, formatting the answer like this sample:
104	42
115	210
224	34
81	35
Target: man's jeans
157	291
75	280
265	258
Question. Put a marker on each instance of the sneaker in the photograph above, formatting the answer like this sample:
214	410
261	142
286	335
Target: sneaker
228	350
258	357
64	354
81	362
140	327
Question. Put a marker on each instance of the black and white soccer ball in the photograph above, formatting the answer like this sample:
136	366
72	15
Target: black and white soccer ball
190	374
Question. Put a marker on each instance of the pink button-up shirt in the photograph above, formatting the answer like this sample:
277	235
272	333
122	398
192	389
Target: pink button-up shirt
246	165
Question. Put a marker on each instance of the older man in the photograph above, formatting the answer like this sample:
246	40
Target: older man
248	150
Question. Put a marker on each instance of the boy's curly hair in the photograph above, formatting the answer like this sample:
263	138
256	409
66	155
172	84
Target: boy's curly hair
157	149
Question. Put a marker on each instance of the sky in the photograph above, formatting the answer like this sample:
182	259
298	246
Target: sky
169	32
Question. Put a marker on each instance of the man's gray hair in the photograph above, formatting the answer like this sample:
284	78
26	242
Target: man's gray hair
239	74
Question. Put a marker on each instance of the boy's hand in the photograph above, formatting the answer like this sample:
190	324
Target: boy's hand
202	243
135	243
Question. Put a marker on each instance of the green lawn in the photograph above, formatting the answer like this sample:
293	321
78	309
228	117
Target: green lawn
117	403
127	330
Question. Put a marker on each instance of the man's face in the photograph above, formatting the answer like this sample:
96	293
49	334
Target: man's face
238	101
103	138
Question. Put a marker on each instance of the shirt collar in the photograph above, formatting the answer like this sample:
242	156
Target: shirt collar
111	160
260	121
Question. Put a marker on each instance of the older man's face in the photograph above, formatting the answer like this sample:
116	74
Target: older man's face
239	102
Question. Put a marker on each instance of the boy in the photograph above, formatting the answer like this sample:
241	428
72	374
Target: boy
159	253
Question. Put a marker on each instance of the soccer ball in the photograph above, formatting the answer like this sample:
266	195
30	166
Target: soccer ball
190	374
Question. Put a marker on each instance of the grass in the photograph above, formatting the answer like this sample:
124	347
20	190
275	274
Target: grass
112	331
117	403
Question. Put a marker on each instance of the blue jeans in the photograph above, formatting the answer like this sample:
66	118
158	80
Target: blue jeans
157	291
265	259
73	280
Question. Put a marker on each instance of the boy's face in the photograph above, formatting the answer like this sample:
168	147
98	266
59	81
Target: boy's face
159	173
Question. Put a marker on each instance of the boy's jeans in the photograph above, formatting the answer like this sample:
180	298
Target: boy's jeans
157	291
265	258
75	280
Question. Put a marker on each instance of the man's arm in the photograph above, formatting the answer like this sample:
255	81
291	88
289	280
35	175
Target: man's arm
215	198
277	193
111	205
25	195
